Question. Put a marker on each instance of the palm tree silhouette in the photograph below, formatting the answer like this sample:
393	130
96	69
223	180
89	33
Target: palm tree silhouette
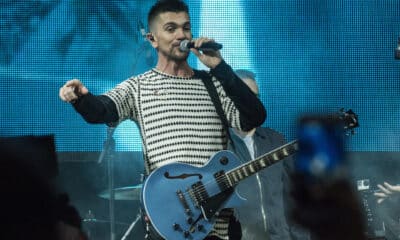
114	21
19	19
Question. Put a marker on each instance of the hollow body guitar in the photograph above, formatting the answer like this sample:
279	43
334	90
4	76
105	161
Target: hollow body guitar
182	201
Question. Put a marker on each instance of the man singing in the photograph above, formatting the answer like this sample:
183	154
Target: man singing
171	105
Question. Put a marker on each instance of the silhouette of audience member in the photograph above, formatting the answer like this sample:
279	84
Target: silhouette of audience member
329	211
325	200
69	222
30	205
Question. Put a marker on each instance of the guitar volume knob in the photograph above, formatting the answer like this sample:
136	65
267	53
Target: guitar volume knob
223	160
186	234
200	227
176	226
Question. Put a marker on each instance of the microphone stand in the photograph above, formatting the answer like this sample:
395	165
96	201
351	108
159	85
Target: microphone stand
131	226
109	151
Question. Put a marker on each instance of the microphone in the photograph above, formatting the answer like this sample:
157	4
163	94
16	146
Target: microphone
397	51
208	46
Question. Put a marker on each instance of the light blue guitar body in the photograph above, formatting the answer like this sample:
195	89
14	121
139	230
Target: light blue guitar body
181	200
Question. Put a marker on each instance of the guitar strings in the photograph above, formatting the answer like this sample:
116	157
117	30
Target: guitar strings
200	191
282	152
285	150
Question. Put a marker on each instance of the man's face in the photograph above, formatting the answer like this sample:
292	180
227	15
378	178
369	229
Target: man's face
169	29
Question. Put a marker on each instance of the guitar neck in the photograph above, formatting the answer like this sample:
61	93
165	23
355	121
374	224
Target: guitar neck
245	170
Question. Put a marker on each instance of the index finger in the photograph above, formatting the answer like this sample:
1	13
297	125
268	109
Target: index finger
395	188
201	41
385	190
380	200
73	82
380	194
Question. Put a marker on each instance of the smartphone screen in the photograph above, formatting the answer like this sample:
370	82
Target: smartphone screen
320	155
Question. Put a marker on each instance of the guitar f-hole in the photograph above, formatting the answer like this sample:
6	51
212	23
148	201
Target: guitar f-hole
182	176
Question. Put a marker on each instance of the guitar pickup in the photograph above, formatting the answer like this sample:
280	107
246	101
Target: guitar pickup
222	181
199	193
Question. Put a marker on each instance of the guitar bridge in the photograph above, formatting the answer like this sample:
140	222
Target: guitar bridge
182	200
194	199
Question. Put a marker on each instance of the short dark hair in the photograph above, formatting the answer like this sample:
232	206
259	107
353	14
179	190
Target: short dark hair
242	73
163	6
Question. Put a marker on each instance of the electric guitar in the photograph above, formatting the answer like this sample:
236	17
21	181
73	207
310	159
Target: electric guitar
182	201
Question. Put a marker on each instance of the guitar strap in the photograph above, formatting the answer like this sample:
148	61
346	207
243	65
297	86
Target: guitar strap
212	91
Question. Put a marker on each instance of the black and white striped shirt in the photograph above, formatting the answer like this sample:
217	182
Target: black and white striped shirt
176	116
177	120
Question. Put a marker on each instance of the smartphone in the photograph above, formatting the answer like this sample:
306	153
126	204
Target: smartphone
321	155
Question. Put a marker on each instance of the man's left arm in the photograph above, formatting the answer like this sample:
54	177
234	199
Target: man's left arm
251	109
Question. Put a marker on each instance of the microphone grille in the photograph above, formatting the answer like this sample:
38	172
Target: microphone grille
184	45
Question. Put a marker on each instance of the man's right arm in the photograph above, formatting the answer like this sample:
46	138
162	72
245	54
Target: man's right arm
94	109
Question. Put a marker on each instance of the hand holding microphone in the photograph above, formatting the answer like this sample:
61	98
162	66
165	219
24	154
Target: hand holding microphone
205	46
209	55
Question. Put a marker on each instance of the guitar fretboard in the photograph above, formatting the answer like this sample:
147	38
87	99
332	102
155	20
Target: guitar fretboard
237	174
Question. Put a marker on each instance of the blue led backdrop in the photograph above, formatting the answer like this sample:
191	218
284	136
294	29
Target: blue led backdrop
309	56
